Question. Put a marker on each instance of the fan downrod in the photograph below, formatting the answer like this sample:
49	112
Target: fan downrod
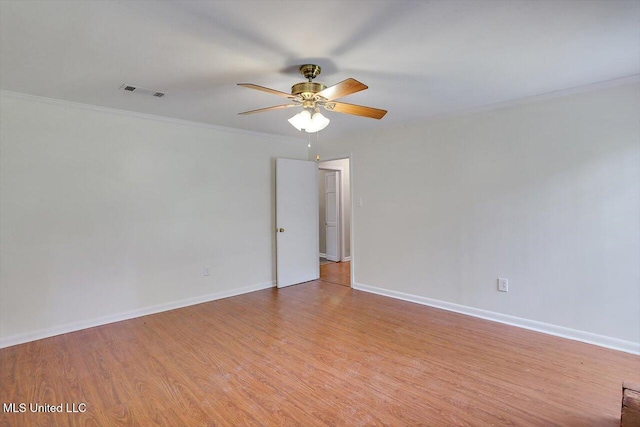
310	71
307	90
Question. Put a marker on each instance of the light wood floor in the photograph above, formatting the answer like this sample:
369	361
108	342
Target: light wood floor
314	354
336	272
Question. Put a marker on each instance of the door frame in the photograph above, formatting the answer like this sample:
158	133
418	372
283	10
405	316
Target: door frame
342	249
352	255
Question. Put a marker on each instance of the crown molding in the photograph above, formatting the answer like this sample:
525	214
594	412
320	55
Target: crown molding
144	116
503	104
535	98
635	78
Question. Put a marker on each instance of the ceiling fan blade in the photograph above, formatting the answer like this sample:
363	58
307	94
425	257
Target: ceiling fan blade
262	110
266	89
344	88
356	110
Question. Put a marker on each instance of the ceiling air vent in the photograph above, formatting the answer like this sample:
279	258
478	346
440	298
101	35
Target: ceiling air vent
142	91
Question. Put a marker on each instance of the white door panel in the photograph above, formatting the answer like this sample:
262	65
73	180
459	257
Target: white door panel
296	221
331	222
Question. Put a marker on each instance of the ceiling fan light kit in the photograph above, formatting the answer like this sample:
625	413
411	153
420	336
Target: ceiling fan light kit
310	123
312	95
300	120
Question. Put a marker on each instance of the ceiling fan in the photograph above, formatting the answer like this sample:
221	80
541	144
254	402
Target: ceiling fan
312	95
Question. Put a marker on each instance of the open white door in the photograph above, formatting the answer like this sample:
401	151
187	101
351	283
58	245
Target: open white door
331	198
296	222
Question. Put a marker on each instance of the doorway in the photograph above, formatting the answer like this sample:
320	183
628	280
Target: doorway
334	213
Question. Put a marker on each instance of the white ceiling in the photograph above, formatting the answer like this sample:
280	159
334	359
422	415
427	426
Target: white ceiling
419	58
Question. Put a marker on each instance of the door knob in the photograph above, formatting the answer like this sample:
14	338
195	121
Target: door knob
281	230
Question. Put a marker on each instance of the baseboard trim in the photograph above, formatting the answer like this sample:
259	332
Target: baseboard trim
325	256
76	326
546	328
347	258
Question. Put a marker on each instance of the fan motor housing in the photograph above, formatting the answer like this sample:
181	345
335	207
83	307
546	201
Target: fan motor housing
307	87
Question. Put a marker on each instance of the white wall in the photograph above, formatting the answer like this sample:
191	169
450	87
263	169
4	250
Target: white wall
104	215
546	194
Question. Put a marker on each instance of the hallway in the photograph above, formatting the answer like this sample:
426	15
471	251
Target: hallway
338	273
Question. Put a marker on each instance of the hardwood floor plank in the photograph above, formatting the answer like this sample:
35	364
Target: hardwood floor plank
320	354
336	272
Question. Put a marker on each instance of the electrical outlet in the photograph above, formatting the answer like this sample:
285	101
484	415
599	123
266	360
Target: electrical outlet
207	272
503	285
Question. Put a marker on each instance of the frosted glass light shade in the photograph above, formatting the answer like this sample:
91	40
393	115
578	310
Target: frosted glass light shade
318	122
301	120
311	124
